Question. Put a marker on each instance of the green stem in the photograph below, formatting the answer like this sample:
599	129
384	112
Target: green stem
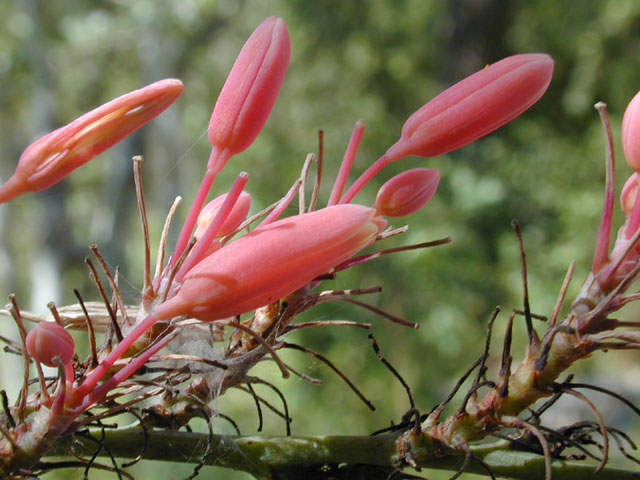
261	456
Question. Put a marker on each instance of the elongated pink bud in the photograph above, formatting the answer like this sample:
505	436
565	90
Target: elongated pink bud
236	217
631	133
249	92
271	262
407	192
475	106
52	157
48	340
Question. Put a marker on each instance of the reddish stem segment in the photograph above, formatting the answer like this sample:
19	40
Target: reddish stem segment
347	162
214	227
601	254
192	216
97	373
371	172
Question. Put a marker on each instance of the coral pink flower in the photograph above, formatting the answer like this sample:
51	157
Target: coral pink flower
242	108
467	111
631	133
407	192
51	158
271	262
475	106
249	92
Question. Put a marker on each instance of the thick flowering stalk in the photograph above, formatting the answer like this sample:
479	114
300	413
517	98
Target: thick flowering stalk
468	110
54	156
242	108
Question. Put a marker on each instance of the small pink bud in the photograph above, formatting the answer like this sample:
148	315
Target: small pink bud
48	340
271	262
474	106
52	157
249	92
631	133
236	217
407	192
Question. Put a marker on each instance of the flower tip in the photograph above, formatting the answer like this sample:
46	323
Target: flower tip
631	133
48	341
407	192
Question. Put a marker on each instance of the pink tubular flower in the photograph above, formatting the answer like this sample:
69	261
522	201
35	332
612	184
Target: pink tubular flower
475	106
467	111
242	108
271	262
407	192
631	133
249	92
52	157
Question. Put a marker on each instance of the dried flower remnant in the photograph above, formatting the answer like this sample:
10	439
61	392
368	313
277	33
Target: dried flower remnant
54	156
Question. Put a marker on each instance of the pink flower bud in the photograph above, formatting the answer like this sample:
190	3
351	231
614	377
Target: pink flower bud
236	217
271	262
52	157
631	133
475	106
407	192
48	340
249	92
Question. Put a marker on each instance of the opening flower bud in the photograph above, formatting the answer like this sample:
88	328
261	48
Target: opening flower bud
407	192
271	262
52	157
48	340
631	133
474	106
249	92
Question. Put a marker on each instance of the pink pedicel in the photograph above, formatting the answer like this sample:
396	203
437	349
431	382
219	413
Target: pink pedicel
249	92
54	156
407	192
631	133
475	106
48	341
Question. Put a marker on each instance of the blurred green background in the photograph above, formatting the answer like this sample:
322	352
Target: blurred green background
372	60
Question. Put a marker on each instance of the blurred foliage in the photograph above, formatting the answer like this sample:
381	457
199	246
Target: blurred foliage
373	60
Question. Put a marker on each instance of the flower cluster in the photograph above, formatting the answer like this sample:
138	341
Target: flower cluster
217	270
